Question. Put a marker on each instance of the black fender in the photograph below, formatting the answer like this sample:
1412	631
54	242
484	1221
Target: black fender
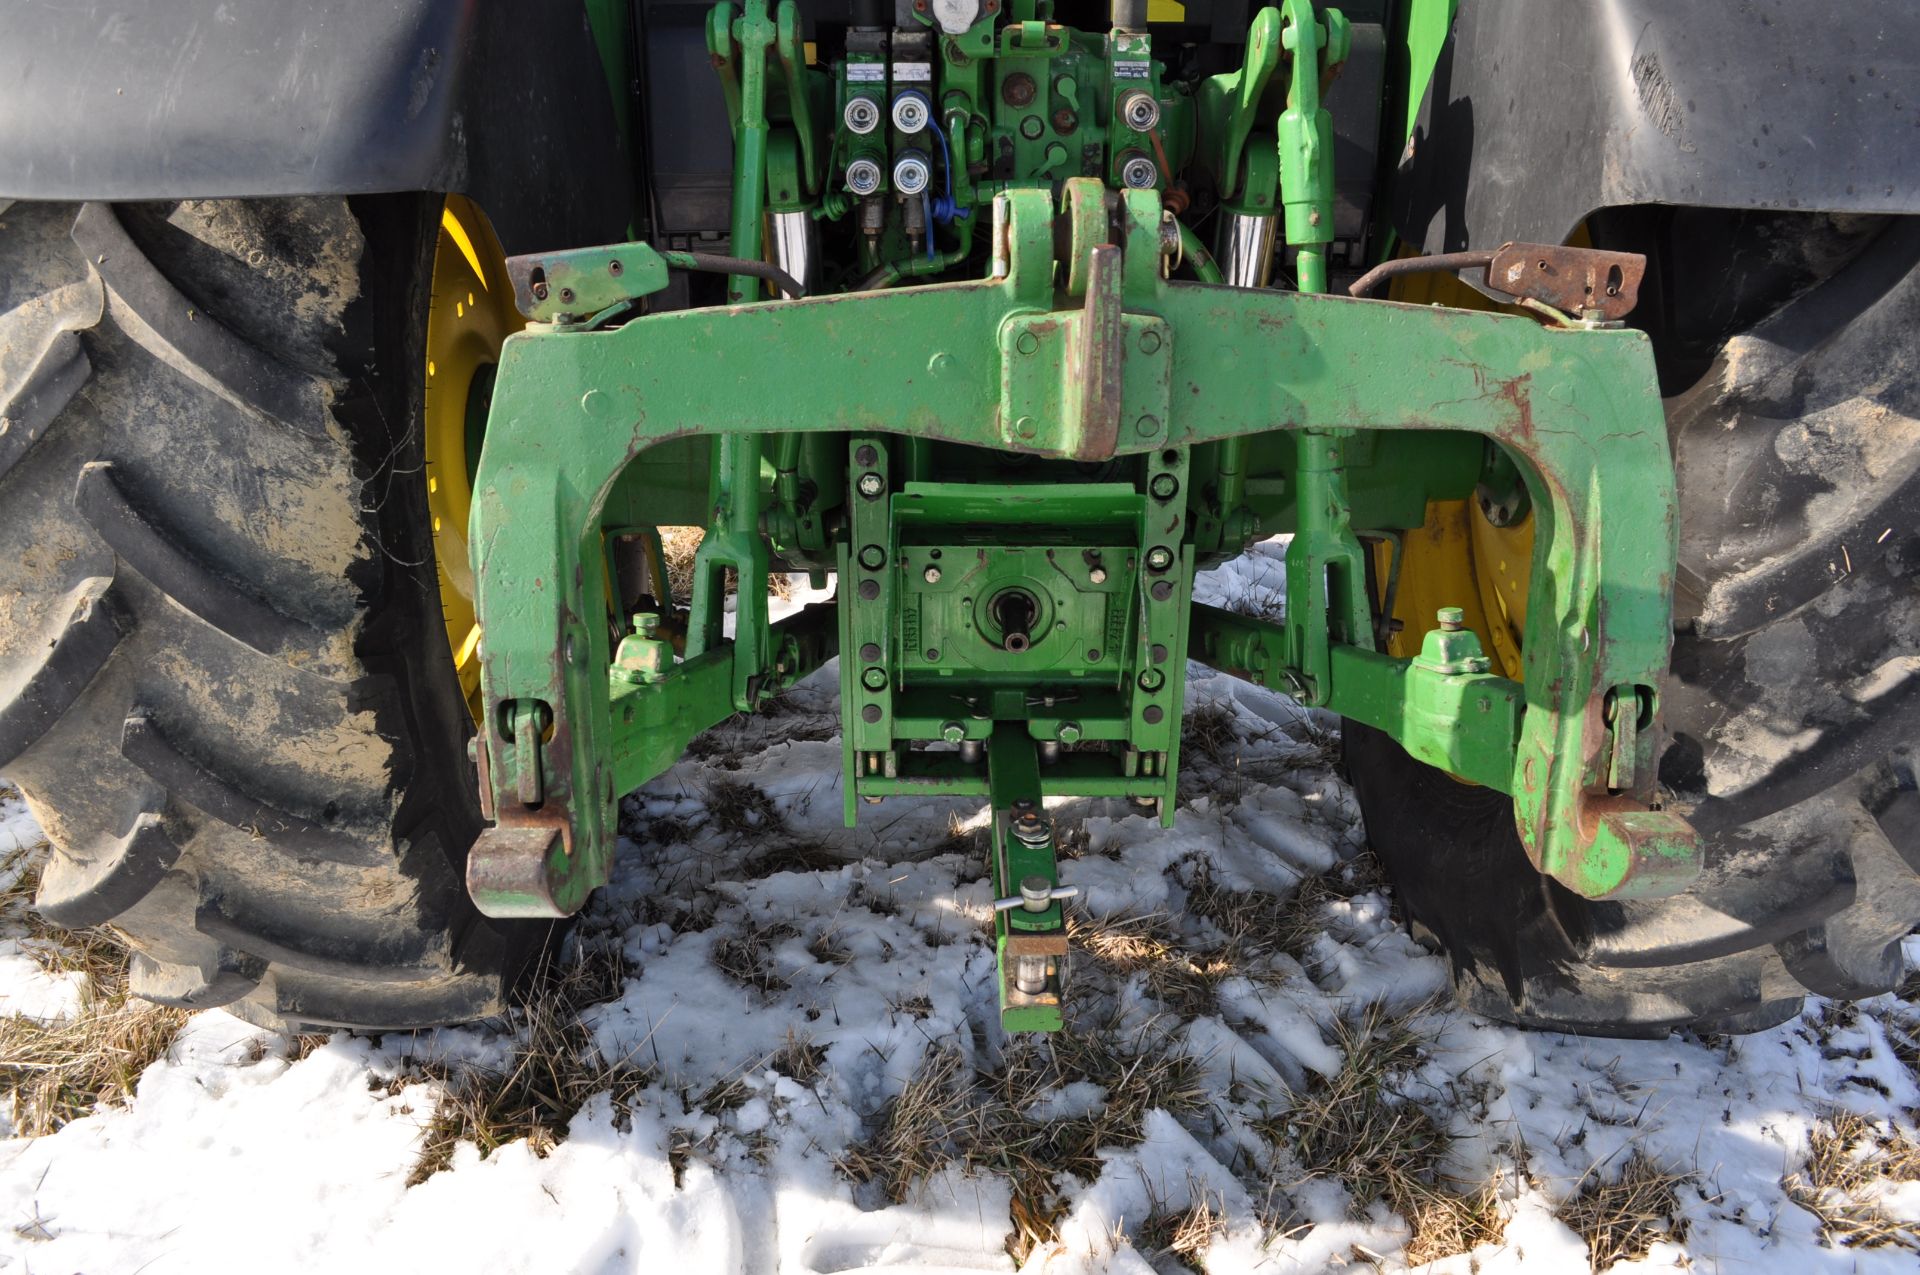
504	101
1540	112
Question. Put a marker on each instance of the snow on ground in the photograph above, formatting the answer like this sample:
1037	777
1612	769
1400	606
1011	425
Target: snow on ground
816	1082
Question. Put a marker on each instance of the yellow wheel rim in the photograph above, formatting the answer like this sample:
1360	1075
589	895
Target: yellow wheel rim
1459	558
471	316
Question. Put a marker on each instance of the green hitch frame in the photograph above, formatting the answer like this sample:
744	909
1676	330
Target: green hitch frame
573	408
1075	348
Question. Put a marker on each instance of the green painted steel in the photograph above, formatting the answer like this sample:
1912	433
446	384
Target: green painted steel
1030	939
1016	476
572	408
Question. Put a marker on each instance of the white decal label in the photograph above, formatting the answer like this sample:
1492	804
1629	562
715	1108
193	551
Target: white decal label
866	73
913	72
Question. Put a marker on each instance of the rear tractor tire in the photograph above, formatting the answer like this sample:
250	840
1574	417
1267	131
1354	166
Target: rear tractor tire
225	685
1791	711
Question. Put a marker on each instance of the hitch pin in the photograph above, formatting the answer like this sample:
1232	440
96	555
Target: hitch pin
1036	895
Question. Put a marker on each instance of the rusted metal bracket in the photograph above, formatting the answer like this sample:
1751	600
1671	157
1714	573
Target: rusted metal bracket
560	287
1579	281
1585	283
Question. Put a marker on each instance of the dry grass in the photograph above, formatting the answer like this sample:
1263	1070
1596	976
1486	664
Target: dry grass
738	807
747	957
1211	748
1137	1072
799	1060
1255	924
1183	981
828	949
1259	602
681	545
948	1114
1357	1128
53	1073
1211	731
1621	1220
970	840
1849	1161
1181	1235
920	1130
1252	926
1123	944
552	1068
796	856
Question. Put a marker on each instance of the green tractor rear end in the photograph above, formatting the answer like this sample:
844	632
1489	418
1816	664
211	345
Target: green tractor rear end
341	617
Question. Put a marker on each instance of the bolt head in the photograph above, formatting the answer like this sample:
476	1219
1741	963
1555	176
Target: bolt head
953	732
872	485
931	575
1452	619
1159	558
1069	732
1098	575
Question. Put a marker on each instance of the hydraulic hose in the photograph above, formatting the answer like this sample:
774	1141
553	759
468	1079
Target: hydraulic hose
1205	268
713	263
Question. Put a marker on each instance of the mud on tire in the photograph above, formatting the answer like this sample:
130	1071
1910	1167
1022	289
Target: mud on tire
1792	707
224	682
